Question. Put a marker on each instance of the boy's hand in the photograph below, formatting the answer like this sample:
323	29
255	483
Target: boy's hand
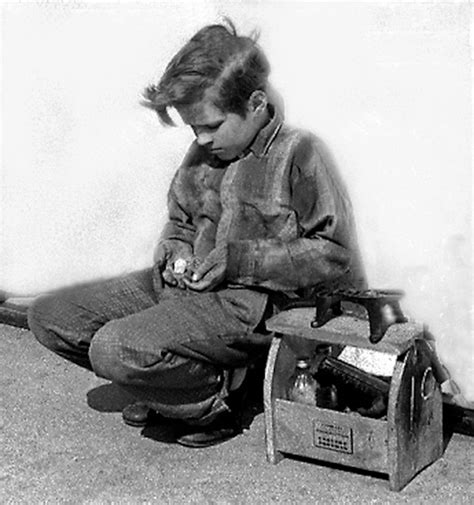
167	257
211	272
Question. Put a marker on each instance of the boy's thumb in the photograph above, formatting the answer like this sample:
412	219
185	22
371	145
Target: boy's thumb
201	270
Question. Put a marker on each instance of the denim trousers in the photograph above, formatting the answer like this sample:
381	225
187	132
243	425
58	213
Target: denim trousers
172	348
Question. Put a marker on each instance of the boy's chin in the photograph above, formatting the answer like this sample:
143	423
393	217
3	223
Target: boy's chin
223	156
227	155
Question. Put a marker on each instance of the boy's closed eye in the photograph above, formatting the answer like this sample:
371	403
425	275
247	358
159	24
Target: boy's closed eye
206	128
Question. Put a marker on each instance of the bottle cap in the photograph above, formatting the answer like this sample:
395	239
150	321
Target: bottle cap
302	363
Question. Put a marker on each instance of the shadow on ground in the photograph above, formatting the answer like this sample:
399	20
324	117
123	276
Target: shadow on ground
108	398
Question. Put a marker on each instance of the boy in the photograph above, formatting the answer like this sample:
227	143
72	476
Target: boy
257	216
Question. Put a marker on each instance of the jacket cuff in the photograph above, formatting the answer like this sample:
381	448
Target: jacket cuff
241	260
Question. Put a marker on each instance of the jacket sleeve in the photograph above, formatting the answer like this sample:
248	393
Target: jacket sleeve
179	228
179	225
321	253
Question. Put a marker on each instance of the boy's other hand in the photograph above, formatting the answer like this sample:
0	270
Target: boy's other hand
211	272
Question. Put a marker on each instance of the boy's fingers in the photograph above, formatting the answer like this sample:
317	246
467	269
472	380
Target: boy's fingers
202	270
198	285
202	283
168	277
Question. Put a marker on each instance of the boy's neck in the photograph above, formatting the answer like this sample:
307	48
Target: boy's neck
263	121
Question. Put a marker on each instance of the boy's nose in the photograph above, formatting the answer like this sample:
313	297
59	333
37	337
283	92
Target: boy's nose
203	139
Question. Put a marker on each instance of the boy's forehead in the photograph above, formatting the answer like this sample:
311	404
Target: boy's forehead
200	113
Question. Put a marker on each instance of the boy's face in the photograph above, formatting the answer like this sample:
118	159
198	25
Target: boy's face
225	134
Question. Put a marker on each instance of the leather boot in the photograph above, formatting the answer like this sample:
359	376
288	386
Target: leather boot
222	429
226	426
136	414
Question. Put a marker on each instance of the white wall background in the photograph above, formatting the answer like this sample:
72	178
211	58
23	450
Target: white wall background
85	169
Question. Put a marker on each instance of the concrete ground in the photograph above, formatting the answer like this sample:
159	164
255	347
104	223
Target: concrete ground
63	441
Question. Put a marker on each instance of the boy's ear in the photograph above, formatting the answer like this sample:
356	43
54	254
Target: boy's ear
258	102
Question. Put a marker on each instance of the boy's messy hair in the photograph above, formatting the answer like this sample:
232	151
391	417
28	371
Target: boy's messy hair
215	59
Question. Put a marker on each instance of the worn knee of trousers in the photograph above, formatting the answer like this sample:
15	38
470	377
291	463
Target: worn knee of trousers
111	359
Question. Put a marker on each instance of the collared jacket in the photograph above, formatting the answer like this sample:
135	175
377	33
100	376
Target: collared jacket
281	209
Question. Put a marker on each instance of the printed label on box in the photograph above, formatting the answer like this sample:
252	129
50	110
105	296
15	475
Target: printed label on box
332	436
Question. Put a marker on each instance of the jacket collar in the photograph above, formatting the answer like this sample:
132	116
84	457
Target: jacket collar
267	134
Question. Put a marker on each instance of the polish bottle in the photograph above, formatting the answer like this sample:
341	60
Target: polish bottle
302	387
